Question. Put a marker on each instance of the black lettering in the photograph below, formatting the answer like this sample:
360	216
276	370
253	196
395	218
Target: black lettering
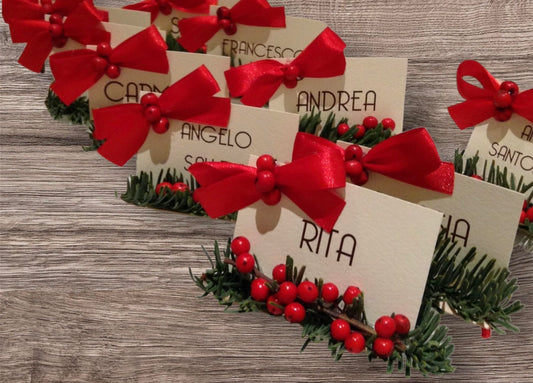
245	141
465	234
303	101
132	92
306	239
527	133
107	91
495	148
326	93
351	252
355	97
370	101
210	137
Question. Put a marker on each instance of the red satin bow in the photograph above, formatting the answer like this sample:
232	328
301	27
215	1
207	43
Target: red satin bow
196	31
126	126
21	10
166	6
494	99
309	181
82	24
76	71
257	81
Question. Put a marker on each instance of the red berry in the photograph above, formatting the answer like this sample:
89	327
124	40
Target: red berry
383	347
163	185
307	291
294	312
56	18
56	30
149	99
340	329
287	293
103	50
99	64
342	129
112	71
47	8
165	8
510	87
231	29
291	72
360	132
385	326
477	177
353	168
485	332
224	23
265	162
355	342
388	123
361	179
329	292
279	272
525	205
353	152
223	13
245	263
350	294
273	308
503	114
290	83
523	216
265	181
179	187
502	99
370	122
529	214
152	113
161	126
259	290
402	324
271	198
240	245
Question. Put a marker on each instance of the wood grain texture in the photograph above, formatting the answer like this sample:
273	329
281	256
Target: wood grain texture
96	290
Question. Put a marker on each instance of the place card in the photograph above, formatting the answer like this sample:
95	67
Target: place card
127	16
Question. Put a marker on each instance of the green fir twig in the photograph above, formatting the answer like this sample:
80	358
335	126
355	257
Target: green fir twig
77	113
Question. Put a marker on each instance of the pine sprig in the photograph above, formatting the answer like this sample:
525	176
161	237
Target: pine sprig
95	144
476	291
311	123
77	112
140	191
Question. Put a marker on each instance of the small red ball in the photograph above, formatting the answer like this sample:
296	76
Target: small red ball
353	152
294	312
279	272
265	162
340	329
342	129
224	23
355	342
523	216
477	177
265	181
385	326
152	113
502	99
56	30
402	324
56	18
99	64
370	122
179	187
503	115
353	168
291	72
59	42
360	131
103	50
47	8
272	305
383	347
350	294
290	83
165	8
163	185
240	245
529	214
272	198
485	333
231	29
223	13
161	126
510	87
149	99
388	123
287	293
307	291
112	71
245	263
329	292
361	179
259	290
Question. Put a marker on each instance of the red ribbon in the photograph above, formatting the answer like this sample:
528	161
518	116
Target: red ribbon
126	126
196	31
309	181
257	81
83	25
76	71
494	99
21	10
165	6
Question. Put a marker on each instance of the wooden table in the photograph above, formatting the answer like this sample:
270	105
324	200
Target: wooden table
95	290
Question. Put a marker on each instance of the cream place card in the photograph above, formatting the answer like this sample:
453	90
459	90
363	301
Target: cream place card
369	87
250	131
509	144
381	244
127	16
478	214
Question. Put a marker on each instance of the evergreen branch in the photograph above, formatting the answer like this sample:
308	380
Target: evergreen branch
311	123
77	112
476	291
140	191
95	144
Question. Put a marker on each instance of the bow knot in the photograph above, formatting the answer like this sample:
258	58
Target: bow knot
164	7
152	113
265	181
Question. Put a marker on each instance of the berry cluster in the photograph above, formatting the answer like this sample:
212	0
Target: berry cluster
265	181
503	100
149	102
225	22
101	63
353	165
175	187
369	122
526	216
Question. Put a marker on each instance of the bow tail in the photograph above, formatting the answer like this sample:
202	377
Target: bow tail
262	89
145	6
258	13
193	6
65	7
36	52
471	112
440	180
124	128
21	10
524	104
84	25
197	31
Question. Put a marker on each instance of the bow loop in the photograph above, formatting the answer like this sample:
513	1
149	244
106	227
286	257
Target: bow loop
493	99
165	7
24	10
257	81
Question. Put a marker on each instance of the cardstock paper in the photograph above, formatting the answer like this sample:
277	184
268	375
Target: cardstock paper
128	16
381	244
250	131
509	144
369	87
